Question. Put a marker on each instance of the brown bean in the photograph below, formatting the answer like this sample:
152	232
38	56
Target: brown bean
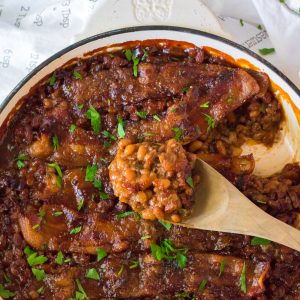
129	149
141	197
175	218
194	146
141	152
148	214
130	174
159	214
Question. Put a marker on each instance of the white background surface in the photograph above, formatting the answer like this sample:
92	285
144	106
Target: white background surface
33	30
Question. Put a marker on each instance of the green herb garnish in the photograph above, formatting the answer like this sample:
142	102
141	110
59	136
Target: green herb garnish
242	22
243	283
255	241
20	160
142	114
41	290
90	172
185	89
184	295
259	27
167	225
167	251
103	196
178	133
59	258
5	293
80	106
75	230
101	253
57	168
266	51
77	75
135	66
156	118
128	54
38	274
34	259
57	213
121	270
190	182
52	79
107	134
125	214
202	285
222	266
81	294
92	274
72	128
205	104
95	118
145	237
80	204
210	122
55	142
121	127
145	55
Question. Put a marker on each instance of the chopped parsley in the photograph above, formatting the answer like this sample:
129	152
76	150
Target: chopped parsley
72	128
135	65
222	266
81	294
190	182
80	204
259	27
59	258
184	295
38	274
36	226
121	127
243	283
133	264
185	89
167	251
95	118
57	213
167	225
57	168
145	55
90	172
41	290
242	22
156	118
255	241
5	293
142	114
77	75
125	214
178	133
145	237
33	258
107	134
20	160
52	79
210	122
128	54
55	142
92	274
80	106
202	285
205	104
75	230
101	253
266	51
103	196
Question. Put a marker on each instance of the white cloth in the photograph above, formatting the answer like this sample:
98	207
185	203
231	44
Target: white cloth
32	30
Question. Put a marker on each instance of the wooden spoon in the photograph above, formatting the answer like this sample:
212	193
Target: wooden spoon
220	206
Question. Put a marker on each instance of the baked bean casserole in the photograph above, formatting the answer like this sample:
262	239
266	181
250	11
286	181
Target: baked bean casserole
99	158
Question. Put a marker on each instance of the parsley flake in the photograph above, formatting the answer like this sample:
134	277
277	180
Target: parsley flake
77	75
107	134
95	118
75	230
190	182
133	264
20	160
185	89
80	204
80	106
178	133
52	79
142	114
38	274
90	172
156	118
135	66
202	285
59	258
92	274
205	104
266	51
125	214
145	237
55	142
243	283
210	122
57	213
41	290
167	225
128	54
121	127
34	259
5	293
80	294
57	168
222	266
103	196
184	295
72	128
101	253
255	241
121	270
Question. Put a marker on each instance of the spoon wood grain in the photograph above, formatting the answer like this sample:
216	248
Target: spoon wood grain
220	206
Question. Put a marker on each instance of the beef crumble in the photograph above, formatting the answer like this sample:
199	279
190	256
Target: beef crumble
65	235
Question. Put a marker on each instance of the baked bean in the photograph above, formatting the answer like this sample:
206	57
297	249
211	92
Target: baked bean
175	218
141	152
129	149
130	174
194	146
159	214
